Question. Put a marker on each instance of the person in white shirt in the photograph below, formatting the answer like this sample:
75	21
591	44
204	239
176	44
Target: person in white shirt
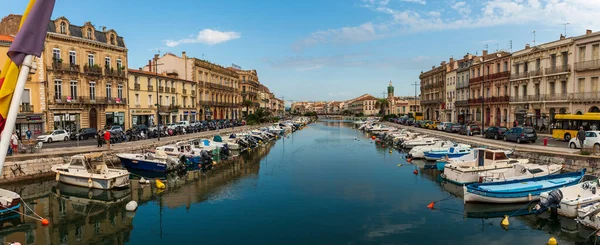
14	142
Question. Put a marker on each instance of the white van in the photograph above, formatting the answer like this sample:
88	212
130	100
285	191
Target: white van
183	123
442	126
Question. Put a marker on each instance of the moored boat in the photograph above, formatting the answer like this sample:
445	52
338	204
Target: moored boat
519	171
10	202
452	152
92	171
467	171
154	162
568	200
516	191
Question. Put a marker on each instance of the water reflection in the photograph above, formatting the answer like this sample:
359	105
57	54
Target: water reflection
82	216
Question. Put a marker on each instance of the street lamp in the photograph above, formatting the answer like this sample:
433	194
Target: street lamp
157	95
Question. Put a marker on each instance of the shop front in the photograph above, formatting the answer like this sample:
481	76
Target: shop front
31	122
115	118
142	117
67	121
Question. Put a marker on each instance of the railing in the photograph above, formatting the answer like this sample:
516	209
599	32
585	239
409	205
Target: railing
584	96
26	108
558	69
462	85
93	70
540	97
193	92
535	73
587	65
461	103
554	97
519	75
433	101
497	75
114	73
475	80
161	89
218	86
150	88
118	101
66	67
475	101
136	86
173	90
184	91
169	108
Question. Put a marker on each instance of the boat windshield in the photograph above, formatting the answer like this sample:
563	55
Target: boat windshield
500	156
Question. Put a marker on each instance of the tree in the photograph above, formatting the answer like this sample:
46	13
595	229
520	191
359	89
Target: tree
247	104
382	104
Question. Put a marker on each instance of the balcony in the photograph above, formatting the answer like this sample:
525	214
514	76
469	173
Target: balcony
64	67
118	73
462	85
93	70
161	89
116	101
150	88
173	90
461	103
184	91
136	86
193	93
587	65
515	76
26	108
535	73
556	97
475	101
475	80
558	69
497	75
218	86
170	108
433	101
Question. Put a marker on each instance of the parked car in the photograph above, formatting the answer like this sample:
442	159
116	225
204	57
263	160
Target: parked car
84	133
116	128
592	139
469	130
447	127
442	126
455	128
55	135
495	132
521	134
432	125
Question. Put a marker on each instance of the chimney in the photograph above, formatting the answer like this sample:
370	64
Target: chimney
527	46
104	28
562	37
451	60
588	32
156	56
183	56
484	52
150	65
443	63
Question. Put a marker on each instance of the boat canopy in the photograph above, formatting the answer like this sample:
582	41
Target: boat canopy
217	138
93	155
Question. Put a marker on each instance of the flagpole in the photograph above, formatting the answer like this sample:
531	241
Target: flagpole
13	110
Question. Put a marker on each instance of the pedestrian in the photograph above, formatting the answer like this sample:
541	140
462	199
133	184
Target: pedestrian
28	134
581	137
594	127
515	124
99	138
14	142
107	138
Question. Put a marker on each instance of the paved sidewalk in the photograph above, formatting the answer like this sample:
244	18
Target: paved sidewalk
479	140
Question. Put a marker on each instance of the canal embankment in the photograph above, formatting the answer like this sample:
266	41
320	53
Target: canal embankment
38	165
570	158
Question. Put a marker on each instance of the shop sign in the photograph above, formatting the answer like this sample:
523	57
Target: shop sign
185	112
34	118
208	113
141	111
193	113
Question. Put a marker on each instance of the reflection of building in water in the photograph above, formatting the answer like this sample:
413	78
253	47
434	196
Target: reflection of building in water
196	187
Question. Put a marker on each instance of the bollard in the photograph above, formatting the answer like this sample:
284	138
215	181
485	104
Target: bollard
545	141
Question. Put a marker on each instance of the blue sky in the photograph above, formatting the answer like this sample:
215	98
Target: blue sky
328	49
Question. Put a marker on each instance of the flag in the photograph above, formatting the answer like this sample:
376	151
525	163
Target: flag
29	41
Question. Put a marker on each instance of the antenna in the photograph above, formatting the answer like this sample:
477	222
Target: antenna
533	37
497	47
566	24
510	45
486	46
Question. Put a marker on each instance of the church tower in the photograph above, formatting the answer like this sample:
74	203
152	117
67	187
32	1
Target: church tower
390	91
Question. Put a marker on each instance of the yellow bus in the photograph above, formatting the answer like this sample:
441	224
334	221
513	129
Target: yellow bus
567	125
418	115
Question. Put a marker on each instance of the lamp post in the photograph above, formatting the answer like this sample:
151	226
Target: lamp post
483	96
157	99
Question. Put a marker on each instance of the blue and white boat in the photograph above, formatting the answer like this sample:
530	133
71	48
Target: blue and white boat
158	162
452	152
516	191
10	202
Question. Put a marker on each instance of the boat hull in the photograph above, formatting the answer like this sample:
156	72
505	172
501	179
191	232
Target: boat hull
438	156
143	165
96	183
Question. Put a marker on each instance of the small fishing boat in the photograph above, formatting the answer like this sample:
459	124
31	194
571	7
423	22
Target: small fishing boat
516	191
154	162
91	171
9	202
568	200
419	151
452	152
419	141
589	215
519	171
466	172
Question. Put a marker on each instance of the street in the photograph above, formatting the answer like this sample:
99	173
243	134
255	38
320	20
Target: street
70	143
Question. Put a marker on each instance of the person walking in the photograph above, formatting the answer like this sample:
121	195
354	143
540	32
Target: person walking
14	143
99	138
28	134
581	137
107	138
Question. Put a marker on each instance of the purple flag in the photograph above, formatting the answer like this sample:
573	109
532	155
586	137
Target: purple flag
30	38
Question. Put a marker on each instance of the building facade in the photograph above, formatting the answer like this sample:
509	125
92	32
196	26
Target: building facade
433	91
250	89
451	74
489	88
462	93
364	105
586	97
541	81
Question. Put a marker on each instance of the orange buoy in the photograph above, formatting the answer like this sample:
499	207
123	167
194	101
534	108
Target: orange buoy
373	137
416	172
409	159
431	205
45	222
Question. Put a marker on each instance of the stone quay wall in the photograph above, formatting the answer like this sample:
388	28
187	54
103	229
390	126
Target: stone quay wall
33	166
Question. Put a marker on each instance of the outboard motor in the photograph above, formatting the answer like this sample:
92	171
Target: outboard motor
225	150
553	200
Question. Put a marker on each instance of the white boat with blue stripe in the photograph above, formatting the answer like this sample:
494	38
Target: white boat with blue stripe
518	191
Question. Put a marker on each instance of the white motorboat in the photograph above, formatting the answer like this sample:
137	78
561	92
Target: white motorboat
589	215
419	141
418	152
519	171
569	200
155	162
91	170
463	170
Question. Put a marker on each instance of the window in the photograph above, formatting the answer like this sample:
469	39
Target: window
112	39
565	58
89	33
536	89
517	69
108	90
581	85
525	67
136	80
119	64
120	91
160	100
552	88
594	84
166	100
595	48
173	101
487	69
524	90
74	90
553	60
72	57
563	87
150	100
55	54
581	54
137	99
107	62
537	63
90	59
57	89
505	65
92	90
63	28
516	90
498	67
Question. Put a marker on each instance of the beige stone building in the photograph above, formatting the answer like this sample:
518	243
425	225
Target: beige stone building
489	81
84	74
462	91
433	89
541	81
250	87
364	105
586	97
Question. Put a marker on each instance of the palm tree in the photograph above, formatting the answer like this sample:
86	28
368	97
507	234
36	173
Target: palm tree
247	104
382	104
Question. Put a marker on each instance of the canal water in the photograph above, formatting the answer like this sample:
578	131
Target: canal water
326	184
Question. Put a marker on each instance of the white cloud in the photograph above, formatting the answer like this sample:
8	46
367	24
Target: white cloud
307	63
462	7
206	36
414	1
351	34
